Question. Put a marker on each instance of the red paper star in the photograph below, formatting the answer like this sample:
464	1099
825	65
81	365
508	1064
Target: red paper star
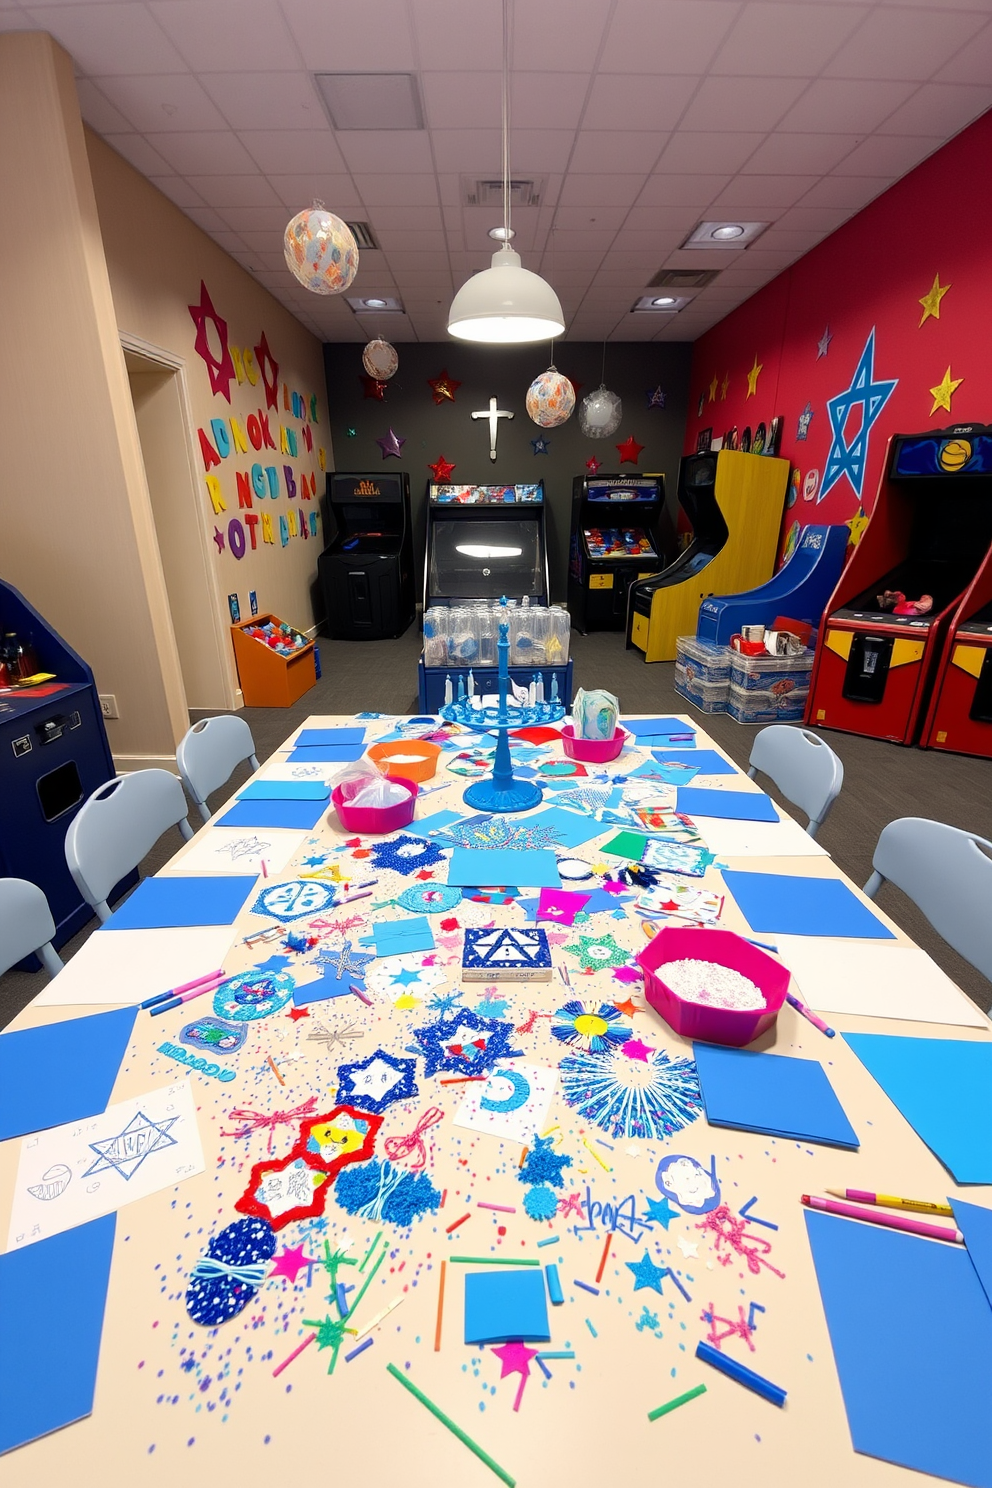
424	873
635	1049
373	388
219	370
592	464
443	387
297	1013
353	842
290	1263
629	451
441	470
627	1007
515	1358
269	368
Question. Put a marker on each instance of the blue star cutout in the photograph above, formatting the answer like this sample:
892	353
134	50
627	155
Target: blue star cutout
661	1211
406	854
802	432
352	1090
647	1274
317	860
405	978
870	397
540	445
656	397
274	963
449	1043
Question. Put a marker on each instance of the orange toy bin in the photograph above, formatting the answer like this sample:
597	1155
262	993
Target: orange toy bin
267	679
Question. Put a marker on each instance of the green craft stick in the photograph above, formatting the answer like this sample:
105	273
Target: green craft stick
371	1248
663	1410
490	1261
462	1436
365	1286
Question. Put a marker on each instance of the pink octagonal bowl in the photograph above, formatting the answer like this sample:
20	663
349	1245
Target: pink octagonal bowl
596	751
374	820
694	1020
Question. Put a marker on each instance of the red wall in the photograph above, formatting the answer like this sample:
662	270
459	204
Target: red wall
872	272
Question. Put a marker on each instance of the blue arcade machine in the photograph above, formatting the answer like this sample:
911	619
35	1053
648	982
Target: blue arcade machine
800	589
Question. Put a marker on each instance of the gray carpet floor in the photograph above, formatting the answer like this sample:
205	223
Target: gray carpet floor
881	781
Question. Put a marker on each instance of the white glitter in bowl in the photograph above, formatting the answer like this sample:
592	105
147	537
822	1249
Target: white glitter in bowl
712	985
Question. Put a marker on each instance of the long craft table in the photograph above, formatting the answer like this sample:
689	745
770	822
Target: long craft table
176	1402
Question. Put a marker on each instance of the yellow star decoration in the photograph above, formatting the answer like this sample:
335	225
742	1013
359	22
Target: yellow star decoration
942	393
713	388
857	526
752	378
406	1003
931	300
724	386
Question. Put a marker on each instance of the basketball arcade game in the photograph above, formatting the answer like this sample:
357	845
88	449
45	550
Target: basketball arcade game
484	542
909	577
620	532
734	503
366	570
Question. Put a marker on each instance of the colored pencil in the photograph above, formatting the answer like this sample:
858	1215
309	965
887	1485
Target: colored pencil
211	976
551	1240
585	1286
604	1258
294	1355
809	1015
889	1201
445	1420
457	1223
742	1375
890	1221
440	1309
662	1410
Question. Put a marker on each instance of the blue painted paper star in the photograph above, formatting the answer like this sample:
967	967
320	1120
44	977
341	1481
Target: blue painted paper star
376	1083
316	861
870	397
540	445
274	963
662	1211
492	1007
647	1274
404	978
464	1041
446	1002
656	397
405	854
343	960
802	431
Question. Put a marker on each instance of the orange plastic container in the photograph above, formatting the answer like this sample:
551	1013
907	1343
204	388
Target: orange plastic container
267	679
415	759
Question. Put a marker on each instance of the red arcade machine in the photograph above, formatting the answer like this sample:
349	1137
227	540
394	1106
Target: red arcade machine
906	581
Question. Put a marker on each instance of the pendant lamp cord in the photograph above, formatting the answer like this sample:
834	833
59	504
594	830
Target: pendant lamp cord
506	123
602	379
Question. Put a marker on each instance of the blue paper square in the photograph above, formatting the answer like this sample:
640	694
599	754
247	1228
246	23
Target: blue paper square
330	754
648	727
171	901
61	1071
303	815
506	1304
537	869
433	825
570	829
285	790
771	1093
315	738
787	904
397	937
695	801
707	761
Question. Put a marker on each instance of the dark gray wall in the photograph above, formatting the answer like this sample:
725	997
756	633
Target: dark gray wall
632	371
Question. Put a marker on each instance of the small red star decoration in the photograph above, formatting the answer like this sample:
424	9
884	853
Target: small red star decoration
220	370
297	1013
441	470
424	874
443	387
373	388
269	368
627	1007
629	451
592	464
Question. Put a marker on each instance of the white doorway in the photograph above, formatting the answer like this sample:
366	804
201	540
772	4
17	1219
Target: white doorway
165	431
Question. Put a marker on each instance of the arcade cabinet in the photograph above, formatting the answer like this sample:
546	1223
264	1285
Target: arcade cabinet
800	589
484	542
620	532
927	538
734	504
960	716
366	570
53	755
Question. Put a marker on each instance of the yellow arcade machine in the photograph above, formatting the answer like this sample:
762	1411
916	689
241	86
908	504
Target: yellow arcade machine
734	503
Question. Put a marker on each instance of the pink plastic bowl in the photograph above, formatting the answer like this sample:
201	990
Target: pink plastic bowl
709	1024
596	751
376	819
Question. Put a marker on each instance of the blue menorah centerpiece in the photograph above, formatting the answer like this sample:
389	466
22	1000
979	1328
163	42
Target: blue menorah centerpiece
501	791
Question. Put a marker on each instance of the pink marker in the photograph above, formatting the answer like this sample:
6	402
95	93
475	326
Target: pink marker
809	1015
358	993
890	1221
265	871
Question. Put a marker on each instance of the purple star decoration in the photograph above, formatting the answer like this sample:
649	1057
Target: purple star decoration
391	444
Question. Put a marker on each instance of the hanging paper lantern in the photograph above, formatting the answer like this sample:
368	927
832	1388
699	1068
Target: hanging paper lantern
600	413
321	251
550	399
380	360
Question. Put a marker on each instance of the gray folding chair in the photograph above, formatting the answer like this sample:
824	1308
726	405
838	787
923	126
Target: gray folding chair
26	925
948	875
209	752
118	826
803	767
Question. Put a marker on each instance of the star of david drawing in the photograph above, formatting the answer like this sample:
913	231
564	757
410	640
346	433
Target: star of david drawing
802	432
245	847
220	369
850	458
464	1040
377	1083
405	854
501	949
125	1152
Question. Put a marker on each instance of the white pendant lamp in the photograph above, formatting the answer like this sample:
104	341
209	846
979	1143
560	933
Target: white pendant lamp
506	304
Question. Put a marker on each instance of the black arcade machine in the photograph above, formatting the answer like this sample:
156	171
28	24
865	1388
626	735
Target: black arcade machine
620	532
484	542
366	570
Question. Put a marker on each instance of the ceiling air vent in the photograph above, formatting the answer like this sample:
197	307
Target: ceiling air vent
363	234
683	278
489	193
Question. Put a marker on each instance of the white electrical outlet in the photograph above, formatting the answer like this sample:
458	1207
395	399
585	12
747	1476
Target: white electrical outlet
108	705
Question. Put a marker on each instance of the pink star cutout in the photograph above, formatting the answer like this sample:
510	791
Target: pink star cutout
627	974
269	368
515	1358
290	1263
571	1204
220	369
613	886
635	1049
219	539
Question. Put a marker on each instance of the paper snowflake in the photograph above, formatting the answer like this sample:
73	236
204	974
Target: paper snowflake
464	1042
378	1082
596	1029
405	854
598	952
630	1098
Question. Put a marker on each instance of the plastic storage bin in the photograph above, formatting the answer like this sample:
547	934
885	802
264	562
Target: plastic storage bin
747	705
764	673
267	679
708	697
694	1020
702	660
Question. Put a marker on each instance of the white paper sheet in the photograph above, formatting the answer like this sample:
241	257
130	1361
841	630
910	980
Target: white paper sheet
74	1173
280	769
527	1089
745	839
875	981
131	965
237	850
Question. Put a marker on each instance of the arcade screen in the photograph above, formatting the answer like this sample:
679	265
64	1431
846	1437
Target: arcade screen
480	559
616	542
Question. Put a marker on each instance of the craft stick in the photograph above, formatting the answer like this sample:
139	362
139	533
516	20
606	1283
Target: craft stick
294	1355
890	1221
359	1350
491	1261
543	1367
889	1201
592	1330
585	1286
551	1240
669	1272
670	1405
271	1063
741	1374
365	1285
445	1420
554	1285
440	1309
560	1354
500	1208
457	1223
605	1166
374	1322
604	1257
371	1248
809	1015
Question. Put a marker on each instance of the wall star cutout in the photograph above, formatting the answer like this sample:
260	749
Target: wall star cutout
269	368
752	378
443	387
372	387
219	539
713	387
724	386
592	464
931	302
441	470
657	397
629	451
944	391
540	445
391	444
220	369
823	345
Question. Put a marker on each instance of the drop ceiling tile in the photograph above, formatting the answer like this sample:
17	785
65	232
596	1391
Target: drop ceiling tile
939	109
755	103
659	241
228	36
541	41
405	219
889	44
140	153
210	221
461	100
668	189
413	238
456	37
292	150
386	150
634	328
638	101
247	219
764	191
546	100
606	190
787	240
845	106
266	100
97	110
794	40
403	260
839	190
685	34
816	219
163	101
973	63
889	154
471	152
398	190
371	37
211	152
660	219
617	150
104	39
177	190
796	154
337	192
267	246
708	152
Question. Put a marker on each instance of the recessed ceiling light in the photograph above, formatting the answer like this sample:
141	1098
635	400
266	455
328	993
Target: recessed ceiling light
660	304
502	234
724	234
376	305
370	100
663	300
